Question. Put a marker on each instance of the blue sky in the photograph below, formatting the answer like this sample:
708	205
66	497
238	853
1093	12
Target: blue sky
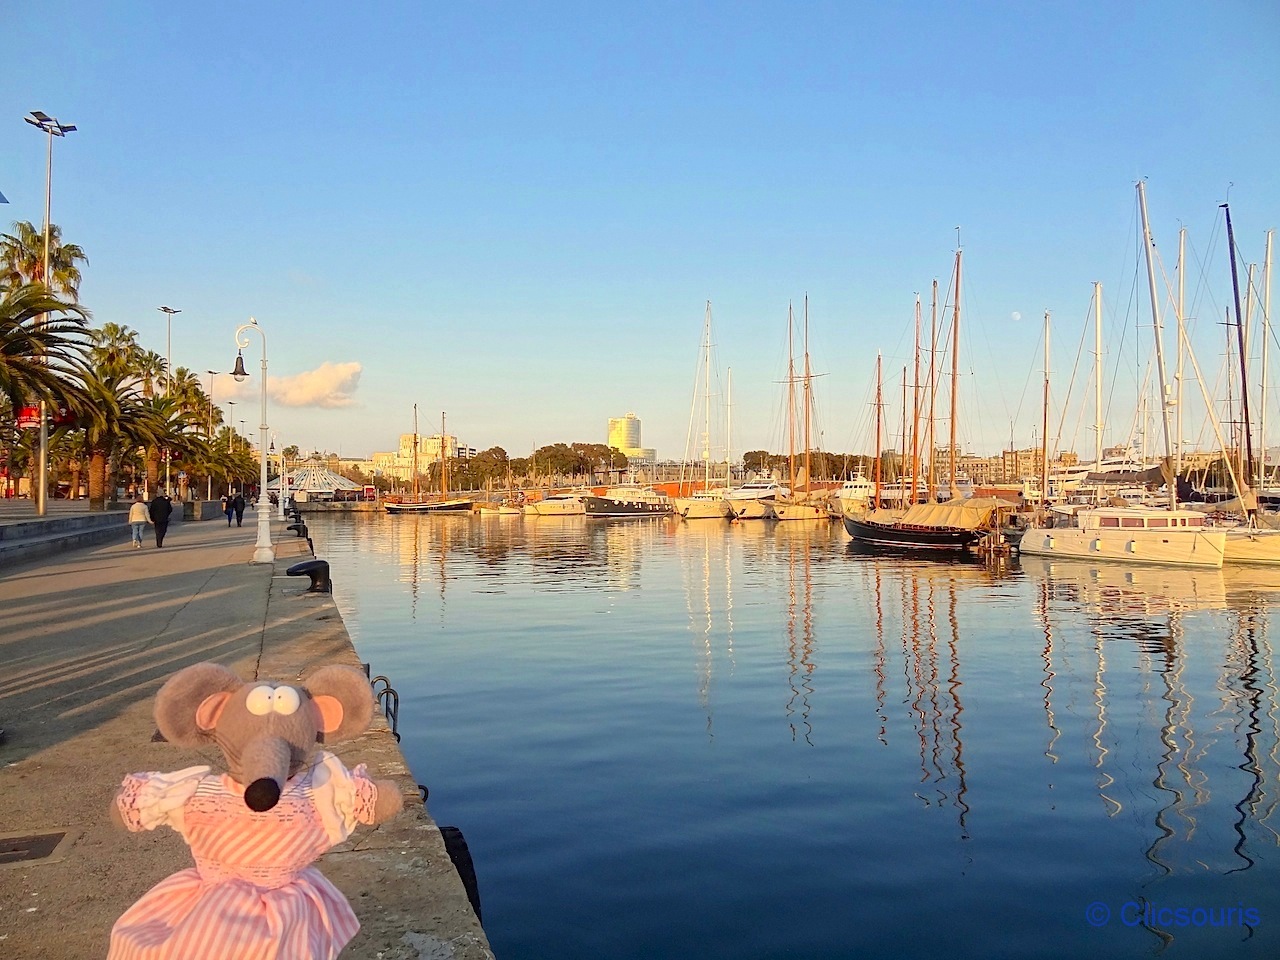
516	212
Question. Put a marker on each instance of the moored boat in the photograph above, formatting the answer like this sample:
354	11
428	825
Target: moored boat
451	505
703	505
1131	535
557	505
627	500
753	500
955	526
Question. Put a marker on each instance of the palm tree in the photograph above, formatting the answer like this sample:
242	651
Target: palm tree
41	355
115	348
151	369
22	259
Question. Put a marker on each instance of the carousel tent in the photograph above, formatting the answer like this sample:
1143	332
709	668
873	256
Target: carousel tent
314	480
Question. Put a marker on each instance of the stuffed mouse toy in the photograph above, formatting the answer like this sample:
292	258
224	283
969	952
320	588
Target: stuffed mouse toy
255	830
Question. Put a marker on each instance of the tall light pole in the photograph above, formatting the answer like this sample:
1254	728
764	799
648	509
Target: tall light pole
263	552
212	374
53	128
168	377
284	482
231	438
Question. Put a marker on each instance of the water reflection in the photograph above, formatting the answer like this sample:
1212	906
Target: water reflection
923	597
1197	723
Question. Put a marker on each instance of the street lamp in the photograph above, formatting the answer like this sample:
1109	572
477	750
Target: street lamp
283	482
212	374
231	438
53	128
263	553
168	377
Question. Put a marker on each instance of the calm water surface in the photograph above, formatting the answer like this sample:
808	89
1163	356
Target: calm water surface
676	740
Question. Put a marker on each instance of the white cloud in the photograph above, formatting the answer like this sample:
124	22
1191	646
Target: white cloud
328	386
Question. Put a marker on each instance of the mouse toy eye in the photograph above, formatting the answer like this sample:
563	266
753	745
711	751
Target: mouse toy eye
287	701
260	700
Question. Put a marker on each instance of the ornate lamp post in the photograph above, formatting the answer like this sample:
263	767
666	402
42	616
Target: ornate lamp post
53	128
263	552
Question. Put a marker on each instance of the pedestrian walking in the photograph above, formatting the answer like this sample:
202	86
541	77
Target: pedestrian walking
139	517
228	507
239	508
159	511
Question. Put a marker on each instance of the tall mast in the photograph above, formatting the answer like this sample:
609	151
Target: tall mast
902	464
1266	339
1248	329
1182	315
1097	377
728	430
1148	244
808	399
416	495
706	402
879	417
915	416
444	463
1244	356
1044	427
932	446
955	375
791	401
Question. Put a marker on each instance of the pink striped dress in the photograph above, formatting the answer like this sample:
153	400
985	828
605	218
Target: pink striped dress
253	894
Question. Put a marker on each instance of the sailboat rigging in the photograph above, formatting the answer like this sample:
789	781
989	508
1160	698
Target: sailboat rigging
954	526
442	503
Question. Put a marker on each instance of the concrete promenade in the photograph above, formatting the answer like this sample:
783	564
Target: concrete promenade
86	639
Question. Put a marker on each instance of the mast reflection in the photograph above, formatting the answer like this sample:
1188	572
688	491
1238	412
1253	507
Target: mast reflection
924	595
1205	729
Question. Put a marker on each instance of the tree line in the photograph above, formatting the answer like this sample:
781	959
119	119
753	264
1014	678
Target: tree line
118	412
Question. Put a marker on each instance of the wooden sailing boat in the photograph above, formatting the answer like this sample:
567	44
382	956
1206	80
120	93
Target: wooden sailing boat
442	503
951	527
803	503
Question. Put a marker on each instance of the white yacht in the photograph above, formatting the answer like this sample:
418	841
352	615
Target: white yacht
1131	535
753	500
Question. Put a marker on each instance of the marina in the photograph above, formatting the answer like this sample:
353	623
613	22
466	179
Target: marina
667	739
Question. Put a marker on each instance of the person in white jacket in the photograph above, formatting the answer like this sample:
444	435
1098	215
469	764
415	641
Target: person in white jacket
138	519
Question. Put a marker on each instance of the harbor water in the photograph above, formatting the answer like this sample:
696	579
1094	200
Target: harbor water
671	740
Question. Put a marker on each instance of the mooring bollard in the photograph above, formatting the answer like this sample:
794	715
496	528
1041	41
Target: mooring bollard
299	528
317	570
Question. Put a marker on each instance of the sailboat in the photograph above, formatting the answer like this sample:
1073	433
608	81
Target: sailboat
707	503
1136	534
442	503
803	502
954	526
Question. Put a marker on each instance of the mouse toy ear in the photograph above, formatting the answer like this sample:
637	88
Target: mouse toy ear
344	700
188	704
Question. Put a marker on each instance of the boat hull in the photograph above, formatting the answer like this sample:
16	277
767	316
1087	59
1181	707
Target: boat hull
1190	548
458	505
609	507
557	507
815	510
751	509
1252	546
701	508
911	538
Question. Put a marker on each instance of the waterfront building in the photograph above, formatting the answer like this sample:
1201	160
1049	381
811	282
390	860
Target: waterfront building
398	464
624	436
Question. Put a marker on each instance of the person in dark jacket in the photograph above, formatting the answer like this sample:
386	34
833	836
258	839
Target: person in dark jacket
239	506
229	508
159	510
